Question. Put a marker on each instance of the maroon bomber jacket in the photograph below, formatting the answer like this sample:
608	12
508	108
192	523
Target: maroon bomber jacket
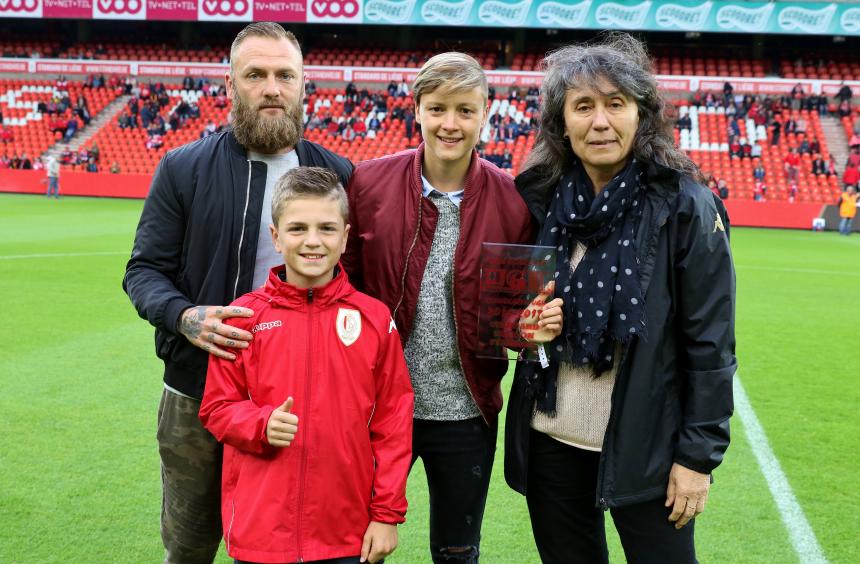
392	227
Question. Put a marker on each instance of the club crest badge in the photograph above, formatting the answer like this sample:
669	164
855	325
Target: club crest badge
348	325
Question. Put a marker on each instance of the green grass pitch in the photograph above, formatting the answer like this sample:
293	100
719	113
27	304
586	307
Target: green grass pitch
80	387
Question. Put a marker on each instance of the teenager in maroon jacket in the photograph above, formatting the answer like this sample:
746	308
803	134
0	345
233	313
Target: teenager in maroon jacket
316	414
418	219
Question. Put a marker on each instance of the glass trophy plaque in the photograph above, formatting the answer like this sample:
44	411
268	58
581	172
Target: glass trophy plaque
512	276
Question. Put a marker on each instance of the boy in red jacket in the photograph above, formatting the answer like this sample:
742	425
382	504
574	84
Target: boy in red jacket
316	412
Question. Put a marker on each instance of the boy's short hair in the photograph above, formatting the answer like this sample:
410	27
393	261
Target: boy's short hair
453	71
308	182
269	30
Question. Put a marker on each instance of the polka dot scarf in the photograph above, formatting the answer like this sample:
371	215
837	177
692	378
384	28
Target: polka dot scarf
603	298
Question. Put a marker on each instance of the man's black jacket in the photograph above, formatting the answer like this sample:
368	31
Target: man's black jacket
196	242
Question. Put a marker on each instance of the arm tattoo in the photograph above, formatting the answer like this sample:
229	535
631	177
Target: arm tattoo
192	322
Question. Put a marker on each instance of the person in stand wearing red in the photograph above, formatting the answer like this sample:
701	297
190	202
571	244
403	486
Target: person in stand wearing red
791	164
316	413
851	176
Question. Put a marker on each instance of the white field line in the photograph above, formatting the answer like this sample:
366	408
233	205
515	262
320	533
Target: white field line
801	270
799	531
64	255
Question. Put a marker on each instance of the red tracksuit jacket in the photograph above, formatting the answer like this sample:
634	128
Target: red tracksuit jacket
337	352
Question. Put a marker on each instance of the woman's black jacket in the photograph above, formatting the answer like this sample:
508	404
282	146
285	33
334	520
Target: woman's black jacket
673	393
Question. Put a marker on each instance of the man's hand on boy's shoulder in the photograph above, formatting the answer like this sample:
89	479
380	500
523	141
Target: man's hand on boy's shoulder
282	426
203	326
380	540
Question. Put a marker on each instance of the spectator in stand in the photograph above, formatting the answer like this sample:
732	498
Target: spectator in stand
847	210
746	149
92	166
71	129
755	150
409	123
804	148
684	122
95	152
360	128
814	146
331	129
854	157
193	110
712	185
126	120
208	130
734	128
6	135
83	155
728	91
188	83
801	126
507	160
221	98
796	96
58	125
844	109
723	189
845	94
114	168
775	131
790	125
310	88
735	149
392	88
82	110
154	142
851	176
374	124
819	165
759	191
348	134
38	164
831	166
791	164
402	89
759	173
5	162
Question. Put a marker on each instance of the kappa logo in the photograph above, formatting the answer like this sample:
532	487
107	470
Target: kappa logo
718	224
266	326
226	7
392	326
120	6
19	5
334	8
348	325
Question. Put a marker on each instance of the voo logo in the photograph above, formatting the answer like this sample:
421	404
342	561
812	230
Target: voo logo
334	8
225	7
19	5
120	6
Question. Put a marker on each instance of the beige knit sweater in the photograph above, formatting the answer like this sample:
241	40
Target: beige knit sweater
582	402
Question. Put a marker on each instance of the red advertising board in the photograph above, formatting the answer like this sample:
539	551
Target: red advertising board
757	86
383	75
82	67
674	84
279	11
173	69
13	66
184	10
324	74
77	9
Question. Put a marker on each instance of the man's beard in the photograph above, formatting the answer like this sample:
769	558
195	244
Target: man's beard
266	134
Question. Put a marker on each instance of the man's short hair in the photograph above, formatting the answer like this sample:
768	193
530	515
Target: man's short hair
270	30
452	71
308	182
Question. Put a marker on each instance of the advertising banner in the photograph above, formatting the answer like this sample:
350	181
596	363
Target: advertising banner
720	16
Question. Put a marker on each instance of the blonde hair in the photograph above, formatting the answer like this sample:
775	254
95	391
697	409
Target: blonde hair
452	71
269	30
308	182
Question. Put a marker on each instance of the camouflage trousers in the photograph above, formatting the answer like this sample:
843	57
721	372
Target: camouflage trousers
190	482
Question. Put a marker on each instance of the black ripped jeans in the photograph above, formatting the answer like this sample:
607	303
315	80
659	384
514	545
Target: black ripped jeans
458	461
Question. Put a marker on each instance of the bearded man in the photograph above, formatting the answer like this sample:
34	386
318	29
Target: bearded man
202	241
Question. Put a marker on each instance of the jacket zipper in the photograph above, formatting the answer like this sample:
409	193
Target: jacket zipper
406	263
601	469
242	233
305	413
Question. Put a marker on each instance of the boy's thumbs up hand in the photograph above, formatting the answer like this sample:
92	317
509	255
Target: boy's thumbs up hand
282	426
542	321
